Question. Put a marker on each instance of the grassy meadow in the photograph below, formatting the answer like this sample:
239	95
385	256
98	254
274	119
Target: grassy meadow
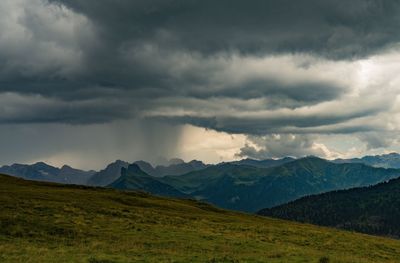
44	222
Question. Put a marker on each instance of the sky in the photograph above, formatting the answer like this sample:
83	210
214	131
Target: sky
87	82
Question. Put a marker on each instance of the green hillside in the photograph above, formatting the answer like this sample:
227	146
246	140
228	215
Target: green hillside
373	210
44	222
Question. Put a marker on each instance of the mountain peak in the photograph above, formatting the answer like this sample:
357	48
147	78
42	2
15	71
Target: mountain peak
117	163
44	166
141	162
134	168
175	161
41	164
195	162
67	167
392	154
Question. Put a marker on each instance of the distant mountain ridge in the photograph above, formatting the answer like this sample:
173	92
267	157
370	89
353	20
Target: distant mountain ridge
391	160
113	171
266	163
372	210
43	172
175	167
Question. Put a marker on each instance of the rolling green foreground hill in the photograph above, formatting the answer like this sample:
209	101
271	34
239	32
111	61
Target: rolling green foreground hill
44	222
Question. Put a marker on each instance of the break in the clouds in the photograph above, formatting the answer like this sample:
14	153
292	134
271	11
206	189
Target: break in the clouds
292	76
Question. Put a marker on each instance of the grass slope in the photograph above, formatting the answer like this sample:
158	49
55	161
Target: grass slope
44	222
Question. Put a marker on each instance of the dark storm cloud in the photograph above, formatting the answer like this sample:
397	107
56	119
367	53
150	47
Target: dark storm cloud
340	29
72	61
281	122
37	109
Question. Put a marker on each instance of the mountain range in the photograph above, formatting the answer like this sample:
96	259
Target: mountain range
247	185
43	172
113	171
248	188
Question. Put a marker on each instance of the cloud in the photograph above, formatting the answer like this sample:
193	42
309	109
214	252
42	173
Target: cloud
41	40
23	109
266	68
208	145
328	28
101	61
278	146
340	116
376	140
